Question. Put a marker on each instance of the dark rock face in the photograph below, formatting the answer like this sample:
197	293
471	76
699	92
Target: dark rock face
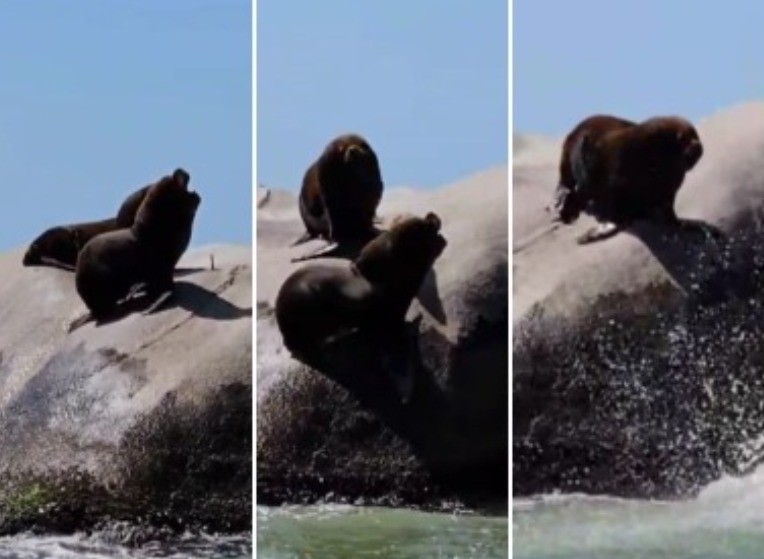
183	467
638	367
349	438
639	402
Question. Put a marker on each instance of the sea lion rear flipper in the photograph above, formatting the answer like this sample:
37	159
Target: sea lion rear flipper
566	205
599	233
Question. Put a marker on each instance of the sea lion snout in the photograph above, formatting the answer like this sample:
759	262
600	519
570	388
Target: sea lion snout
181	178
31	256
440	245
692	153
353	152
433	219
439	242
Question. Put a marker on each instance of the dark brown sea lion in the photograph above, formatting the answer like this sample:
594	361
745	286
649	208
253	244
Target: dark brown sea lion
129	208
319	305
112	264
59	246
621	171
340	194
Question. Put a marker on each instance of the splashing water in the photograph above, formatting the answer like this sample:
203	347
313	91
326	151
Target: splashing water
27	546
726	520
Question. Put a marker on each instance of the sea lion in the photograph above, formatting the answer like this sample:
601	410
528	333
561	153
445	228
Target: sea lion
319	305
129	208
112	264
340	194
620	171
59	246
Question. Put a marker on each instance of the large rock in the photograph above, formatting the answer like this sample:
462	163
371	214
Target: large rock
638	360
317	438
156	407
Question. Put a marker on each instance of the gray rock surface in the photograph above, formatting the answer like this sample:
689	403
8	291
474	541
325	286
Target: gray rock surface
132	399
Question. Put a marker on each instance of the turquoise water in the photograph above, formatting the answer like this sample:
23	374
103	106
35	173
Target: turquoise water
726	521
347	532
84	547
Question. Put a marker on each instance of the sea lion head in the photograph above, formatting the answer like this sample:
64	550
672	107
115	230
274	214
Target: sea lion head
57	243
676	138
351	184
404	253
169	204
349	161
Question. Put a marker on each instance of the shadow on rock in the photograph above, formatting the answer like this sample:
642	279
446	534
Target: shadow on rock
698	257
181	272
205	303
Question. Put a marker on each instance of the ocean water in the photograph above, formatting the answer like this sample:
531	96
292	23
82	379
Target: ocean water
726	521
348	532
27	546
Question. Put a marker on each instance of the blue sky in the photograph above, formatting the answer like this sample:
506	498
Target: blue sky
633	59
100	98
425	82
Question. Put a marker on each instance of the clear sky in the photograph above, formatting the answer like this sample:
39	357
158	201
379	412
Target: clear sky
634	59
100	98
424	81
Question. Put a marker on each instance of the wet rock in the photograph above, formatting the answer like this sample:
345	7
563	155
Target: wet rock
638	360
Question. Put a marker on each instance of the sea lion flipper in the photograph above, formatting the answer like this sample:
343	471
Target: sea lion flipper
397	366
54	263
339	336
599	233
328	251
307	236
79	321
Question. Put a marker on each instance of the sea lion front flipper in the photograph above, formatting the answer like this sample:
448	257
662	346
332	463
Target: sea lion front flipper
399	356
339	336
599	233
328	251
79	321
307	236
396	365
53	263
